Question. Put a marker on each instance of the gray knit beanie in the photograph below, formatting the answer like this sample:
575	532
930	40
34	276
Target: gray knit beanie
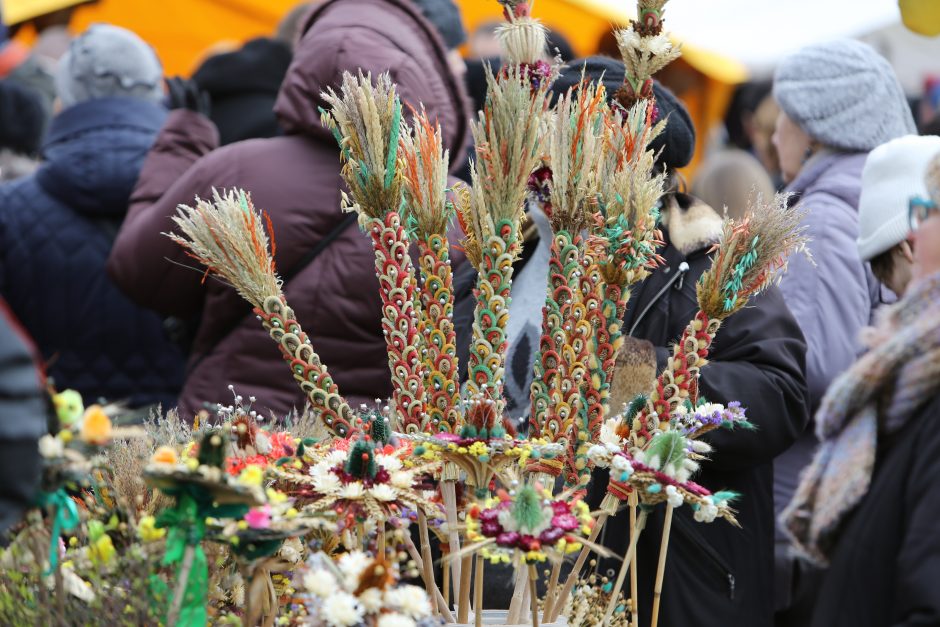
844	95
105	62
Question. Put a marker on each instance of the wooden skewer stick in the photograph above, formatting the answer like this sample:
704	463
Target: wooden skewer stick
634	594
441	603
517	604
463	605
661	567
627	560
559	603
534	594
445	581
380	538
188	555
449	492
552	589
427	567
478	593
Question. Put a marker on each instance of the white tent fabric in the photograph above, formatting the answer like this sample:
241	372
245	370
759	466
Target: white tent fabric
759	32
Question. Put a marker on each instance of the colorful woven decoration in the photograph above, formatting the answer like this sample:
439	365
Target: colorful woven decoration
367	121
645	50
227	236
428	215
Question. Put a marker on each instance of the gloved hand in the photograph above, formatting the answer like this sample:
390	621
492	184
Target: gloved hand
185	94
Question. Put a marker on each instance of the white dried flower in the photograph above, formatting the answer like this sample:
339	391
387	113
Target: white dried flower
319	582
395	620
371	600
327	483
410	600
673	496
391	463
341	609
50	446
402	479
351	565
351	491
383	492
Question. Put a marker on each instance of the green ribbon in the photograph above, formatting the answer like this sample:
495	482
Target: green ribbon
64	518
186	525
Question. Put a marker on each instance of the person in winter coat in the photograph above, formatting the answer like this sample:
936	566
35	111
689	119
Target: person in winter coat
57	227
894	173
838	101
295	178
717	574
868	505
23	417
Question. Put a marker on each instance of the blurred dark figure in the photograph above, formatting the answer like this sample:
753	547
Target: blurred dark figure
23	415
22	118
729	180
57	227
243	84
750	122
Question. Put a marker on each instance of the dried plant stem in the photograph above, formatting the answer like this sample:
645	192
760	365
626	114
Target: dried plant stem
634	577
517	603
559	603
463	605
180	591
534	595
627	561
478	593
552	589
380	538
661	567
428	569
441	603
449	492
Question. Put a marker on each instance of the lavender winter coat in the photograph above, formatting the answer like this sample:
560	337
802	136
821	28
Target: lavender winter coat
296	179
832	300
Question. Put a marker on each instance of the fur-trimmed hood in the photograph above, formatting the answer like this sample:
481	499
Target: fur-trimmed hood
692	224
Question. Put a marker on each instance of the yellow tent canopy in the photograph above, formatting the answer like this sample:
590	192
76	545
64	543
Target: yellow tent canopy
184	31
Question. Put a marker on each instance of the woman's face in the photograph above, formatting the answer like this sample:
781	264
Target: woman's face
927	247
792	144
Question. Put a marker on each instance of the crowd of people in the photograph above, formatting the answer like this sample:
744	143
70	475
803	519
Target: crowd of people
838	367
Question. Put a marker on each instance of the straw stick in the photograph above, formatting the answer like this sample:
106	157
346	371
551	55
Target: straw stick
516	605
627	560
449	492
426	553
380	540
463	605
445	581
534	594
441	603
478	593
661	568
634	594
559	603
552	589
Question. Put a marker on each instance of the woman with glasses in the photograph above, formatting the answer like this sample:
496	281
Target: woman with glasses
894	172
869	504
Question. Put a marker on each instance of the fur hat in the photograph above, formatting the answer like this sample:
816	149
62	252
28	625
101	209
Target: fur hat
844	95
676	144
22	118
105	62
894	172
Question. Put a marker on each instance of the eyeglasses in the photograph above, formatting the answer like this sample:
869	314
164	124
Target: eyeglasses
920	210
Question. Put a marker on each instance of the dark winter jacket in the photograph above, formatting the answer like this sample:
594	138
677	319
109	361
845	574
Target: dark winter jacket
296	179
885	568
243	86
22	419
56	230
716	574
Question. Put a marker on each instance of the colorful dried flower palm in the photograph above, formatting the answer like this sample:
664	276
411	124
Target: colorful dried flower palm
428	214
645	50
367	122
227	236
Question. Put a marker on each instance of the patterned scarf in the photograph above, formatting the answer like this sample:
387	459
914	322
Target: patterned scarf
876	396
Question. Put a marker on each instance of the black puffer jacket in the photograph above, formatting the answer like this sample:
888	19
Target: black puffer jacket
717	574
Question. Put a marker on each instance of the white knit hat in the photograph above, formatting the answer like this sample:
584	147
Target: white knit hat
894	172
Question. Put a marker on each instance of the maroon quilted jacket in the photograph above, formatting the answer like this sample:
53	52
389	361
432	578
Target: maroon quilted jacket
296	179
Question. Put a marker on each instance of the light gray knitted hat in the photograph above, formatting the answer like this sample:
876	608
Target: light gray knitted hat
844	95
105	62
